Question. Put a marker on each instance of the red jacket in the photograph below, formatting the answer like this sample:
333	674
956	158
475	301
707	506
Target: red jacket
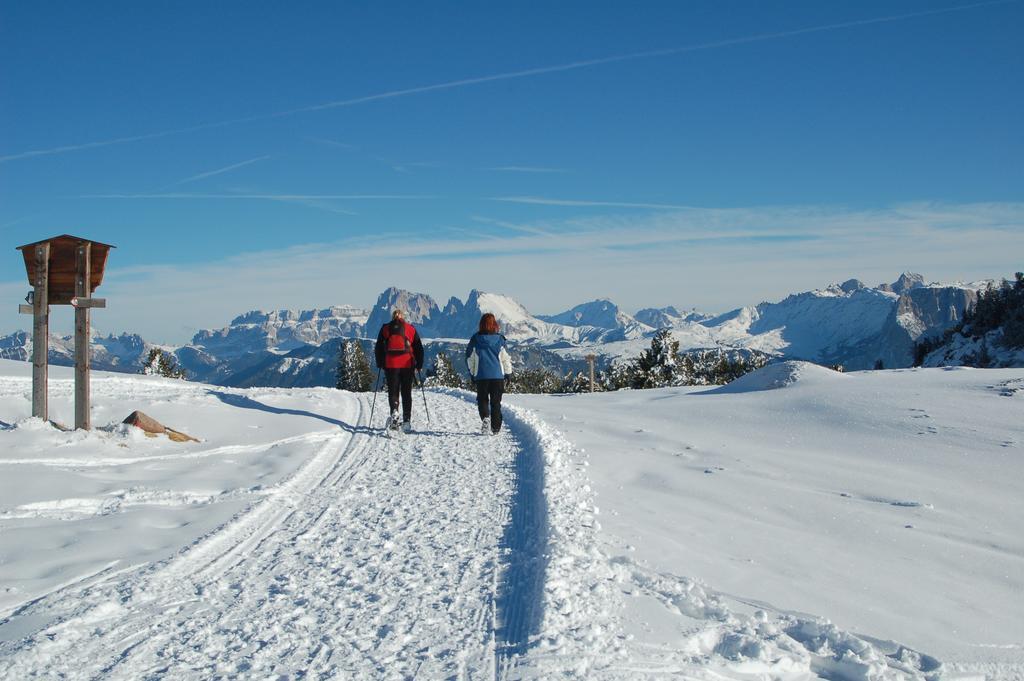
398	346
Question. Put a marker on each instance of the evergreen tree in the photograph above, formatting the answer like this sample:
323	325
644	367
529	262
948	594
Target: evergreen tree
160	363
353	373
657	366
618	376
534	381
984	358
576	383
879	365
443	373
151	367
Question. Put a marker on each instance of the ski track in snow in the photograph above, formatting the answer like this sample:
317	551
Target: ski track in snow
379	558
441	554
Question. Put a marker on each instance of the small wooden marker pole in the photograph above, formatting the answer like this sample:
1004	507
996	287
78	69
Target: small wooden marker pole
83	289
40	330
590	361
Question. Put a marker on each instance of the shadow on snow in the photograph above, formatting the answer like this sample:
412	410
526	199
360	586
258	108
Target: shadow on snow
243	402
524	544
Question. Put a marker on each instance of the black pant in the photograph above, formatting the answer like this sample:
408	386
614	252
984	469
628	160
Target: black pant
400	379
488	400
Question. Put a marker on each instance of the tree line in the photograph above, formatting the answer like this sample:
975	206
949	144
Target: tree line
660	365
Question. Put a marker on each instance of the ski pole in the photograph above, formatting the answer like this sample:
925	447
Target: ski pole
375	391
423	392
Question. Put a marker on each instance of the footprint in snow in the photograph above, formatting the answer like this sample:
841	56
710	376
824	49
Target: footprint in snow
899	503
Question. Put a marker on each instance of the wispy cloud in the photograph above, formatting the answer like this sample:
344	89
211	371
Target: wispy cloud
715	259
397	166
526	169
219	171
18	221
511	75
330	143
315	203
544	201
525	229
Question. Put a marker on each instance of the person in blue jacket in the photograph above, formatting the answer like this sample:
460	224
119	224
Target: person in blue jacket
489	365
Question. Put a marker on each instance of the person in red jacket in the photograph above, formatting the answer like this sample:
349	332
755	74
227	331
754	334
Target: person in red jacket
399	352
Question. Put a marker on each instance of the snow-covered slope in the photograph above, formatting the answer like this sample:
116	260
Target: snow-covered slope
888	502
800	524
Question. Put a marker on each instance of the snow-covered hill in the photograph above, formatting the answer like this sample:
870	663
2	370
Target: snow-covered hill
885	501
798	524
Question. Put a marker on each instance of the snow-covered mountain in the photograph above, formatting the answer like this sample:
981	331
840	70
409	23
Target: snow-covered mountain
992	335
921	312
280	330
420	310
125	352
601	313
818	325
668	317
848	323
907	281
460	319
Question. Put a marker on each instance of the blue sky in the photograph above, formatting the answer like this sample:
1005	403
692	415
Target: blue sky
710	154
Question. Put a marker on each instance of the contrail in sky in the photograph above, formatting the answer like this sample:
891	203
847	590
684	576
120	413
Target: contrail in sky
542	201
268	197
526	73
225	169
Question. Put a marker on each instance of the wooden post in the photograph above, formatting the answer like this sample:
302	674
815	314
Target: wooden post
83	289
40	330
590	361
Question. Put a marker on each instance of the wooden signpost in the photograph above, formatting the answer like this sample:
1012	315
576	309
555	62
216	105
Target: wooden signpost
590	361
63	270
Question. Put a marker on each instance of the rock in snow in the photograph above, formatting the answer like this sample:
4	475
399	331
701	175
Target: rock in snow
151	426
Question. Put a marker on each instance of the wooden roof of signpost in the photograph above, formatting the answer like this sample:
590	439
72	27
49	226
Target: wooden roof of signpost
62	265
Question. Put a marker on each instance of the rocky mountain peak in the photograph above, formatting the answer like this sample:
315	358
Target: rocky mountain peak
601	313
906	282
419	308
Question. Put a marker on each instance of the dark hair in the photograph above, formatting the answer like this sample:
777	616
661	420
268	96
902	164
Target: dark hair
488	324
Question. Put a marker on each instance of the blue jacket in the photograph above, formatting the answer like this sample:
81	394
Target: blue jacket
487	356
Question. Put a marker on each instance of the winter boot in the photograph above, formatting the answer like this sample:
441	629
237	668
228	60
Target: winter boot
394	422
406	426
485	426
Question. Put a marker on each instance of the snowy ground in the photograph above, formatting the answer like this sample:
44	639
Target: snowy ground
294	541
889	502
